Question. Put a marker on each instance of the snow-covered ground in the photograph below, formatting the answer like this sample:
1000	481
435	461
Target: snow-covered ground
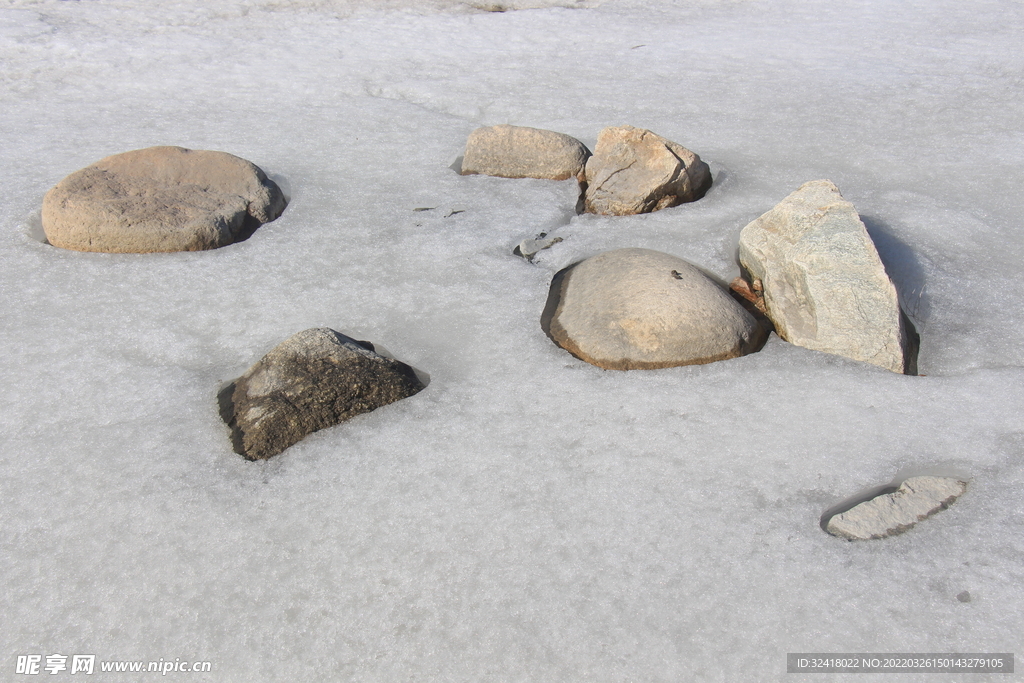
527	517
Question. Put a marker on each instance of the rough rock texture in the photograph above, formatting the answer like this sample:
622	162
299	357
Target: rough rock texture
312	380
520	152
823	284
636	308
894	513
635	171
748	294
160	199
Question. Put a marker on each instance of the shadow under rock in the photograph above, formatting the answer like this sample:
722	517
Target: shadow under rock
903	267
252	224
853	501
554	298
226	405
33	227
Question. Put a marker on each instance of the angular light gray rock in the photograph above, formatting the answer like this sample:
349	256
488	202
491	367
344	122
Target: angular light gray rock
824	286
160	199
315	379
638	309
635	171
521	152
893	513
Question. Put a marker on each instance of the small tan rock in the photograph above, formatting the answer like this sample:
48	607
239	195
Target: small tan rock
160	199
635	171
634	309
521	152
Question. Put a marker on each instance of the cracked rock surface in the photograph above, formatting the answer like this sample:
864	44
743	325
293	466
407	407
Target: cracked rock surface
160	199
916	499
636	171
315	379
631	309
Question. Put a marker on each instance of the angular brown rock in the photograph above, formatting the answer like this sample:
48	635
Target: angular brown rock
635	171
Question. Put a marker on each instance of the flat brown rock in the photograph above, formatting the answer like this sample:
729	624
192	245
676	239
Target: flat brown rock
522	152
160	199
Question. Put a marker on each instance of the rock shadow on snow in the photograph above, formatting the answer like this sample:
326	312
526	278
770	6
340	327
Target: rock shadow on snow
33	228
903	267
907	274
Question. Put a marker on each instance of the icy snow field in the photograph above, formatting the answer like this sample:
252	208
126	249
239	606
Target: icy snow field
527	517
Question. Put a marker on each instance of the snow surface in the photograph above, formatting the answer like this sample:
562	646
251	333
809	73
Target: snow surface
527	517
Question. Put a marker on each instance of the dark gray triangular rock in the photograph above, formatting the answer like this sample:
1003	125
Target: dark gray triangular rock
315	379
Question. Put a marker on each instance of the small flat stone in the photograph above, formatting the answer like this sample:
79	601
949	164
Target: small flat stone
636	171
916	499
160	199
315	379
529	248
631	309
520	152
